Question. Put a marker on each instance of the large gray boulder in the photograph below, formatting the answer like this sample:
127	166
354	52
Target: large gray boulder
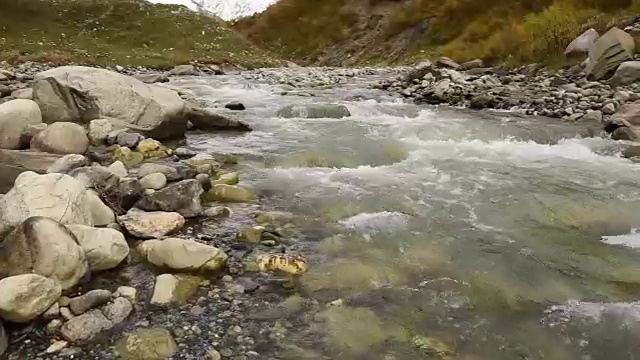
182	254
24	297
314	111
56	196
15	115
104	248
61	138
81	94
43	246
182	197
582	43
627	73
608	52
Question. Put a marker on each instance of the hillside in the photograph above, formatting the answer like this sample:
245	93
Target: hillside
124	32
350	32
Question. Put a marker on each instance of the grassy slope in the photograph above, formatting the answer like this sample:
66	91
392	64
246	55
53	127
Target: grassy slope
349	32
124	32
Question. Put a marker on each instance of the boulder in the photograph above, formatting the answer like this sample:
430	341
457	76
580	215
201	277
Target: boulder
118	169
155	181
205	182
205	119
43	246
118	310
149	225
314	111
81	94
15	115
104	248
235	105
99	131
147	344
183	70
582	43
170	172
56	196
608	52
150	148
627	73
182	254
61	138
102	215
482	101
84	328
184	153
94	298
182	197
627	115
230	193
67	163
25	297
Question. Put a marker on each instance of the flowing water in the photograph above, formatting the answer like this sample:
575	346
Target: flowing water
443	233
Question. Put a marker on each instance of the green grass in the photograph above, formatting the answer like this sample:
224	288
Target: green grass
122	32
376	32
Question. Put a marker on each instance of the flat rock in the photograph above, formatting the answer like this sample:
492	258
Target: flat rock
24	297
149	225
183	254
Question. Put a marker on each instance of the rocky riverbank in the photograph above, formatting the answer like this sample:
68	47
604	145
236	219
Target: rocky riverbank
100	219
602	89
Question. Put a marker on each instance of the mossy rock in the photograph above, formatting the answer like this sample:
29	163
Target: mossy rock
147	344
228	193
231	178
128	157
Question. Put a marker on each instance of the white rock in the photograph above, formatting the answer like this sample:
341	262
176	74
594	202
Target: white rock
67	163
127	292
182	254
118	169
82	94
155	181
45	247
24	297
100	213
99	130
104	248
15	115
61	138
164	290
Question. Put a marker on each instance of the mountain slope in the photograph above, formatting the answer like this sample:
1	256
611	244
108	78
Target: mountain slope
349	32
124	32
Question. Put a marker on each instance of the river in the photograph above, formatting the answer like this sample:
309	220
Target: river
442	233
